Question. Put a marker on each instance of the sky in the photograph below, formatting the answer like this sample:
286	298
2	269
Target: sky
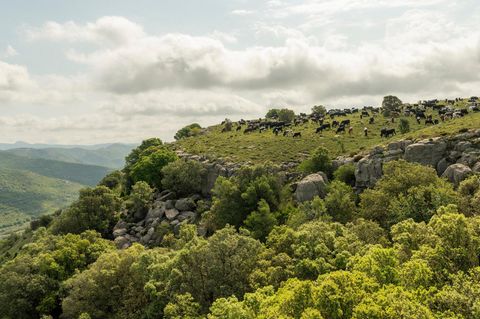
100	71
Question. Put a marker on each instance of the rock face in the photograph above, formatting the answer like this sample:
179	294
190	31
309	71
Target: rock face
441	153
311	186
456	173
426	152
163	216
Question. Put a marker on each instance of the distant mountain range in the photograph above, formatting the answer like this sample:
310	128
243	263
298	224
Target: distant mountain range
37	179
107	155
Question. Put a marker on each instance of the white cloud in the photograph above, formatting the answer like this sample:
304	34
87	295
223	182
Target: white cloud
9	52
242	12
111	30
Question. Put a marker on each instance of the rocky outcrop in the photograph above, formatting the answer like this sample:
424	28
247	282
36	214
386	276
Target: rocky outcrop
428	152
311	186
163	216
453	157
456	173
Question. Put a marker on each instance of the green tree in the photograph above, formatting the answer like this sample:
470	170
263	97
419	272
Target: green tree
286	115
183	307
406	190
139	201
96	209
111	288
390	104
149	167
115	181
261	221
319	110
183	177
188	131
272	114
31	283
340	202
319	161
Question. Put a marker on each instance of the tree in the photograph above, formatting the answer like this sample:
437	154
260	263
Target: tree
318	161
139	200
135	154
95	209
390	104
111	288
115	181
272	114
149	167
183	177
261	221
286	115
183	307
406	190
319	110
404	126
188	131
31	284
340	202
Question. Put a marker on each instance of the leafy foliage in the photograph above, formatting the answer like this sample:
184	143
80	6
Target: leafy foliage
188	131
183	177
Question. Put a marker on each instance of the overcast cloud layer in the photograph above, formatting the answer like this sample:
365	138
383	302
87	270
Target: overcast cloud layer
115	80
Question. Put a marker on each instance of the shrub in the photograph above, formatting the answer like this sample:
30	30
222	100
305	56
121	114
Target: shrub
404	126
340	202
187	131
345	174
183	177
149	167
286	115
318	161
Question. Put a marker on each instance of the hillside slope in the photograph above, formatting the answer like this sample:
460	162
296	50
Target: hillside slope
260	147
111	156
25	194
78	173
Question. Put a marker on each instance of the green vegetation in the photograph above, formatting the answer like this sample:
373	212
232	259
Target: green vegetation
266	147
188	131
25	195
406	248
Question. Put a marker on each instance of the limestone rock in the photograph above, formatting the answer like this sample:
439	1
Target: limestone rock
311	186
368	171
426	153
456	173
171	213
185	204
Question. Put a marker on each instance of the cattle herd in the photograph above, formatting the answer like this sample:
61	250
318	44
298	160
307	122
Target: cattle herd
334	119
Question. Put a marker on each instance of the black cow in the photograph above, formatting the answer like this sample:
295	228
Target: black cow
387	132
371	121
340	129
429	121
297	134
345	122
335	123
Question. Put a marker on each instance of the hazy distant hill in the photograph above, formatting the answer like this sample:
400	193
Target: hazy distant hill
25	194
111	156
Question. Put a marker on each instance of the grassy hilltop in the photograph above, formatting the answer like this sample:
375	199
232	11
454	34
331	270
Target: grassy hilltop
259	147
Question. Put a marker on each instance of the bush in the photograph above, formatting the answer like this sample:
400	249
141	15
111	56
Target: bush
149	167
319	161
346	174
139	200
319	110
95	209
404	126
187	131
340	202
272	114
115	181
183	177
286	115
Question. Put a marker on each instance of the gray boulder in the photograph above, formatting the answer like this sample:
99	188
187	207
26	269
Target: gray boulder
426	152
476	167
190	216
368	171
171	213
122	242
456	173
185	204
311	186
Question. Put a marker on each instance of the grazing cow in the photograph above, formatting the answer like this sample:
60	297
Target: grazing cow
371	121
249	129
429	121
365	113
387	132
239	128
340	129
335	123
365	131
350	130
345	122
285	133
297	134
435	121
